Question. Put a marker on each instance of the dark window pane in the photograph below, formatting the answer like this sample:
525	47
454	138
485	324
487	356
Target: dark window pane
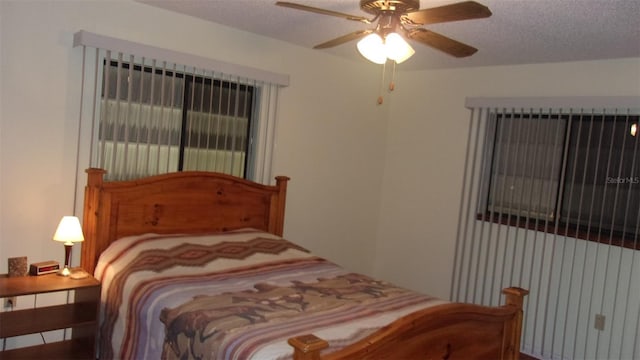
602	186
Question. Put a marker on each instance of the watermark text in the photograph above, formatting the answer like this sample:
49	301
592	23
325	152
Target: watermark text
623	180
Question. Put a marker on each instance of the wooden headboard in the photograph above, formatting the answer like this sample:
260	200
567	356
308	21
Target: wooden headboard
183	202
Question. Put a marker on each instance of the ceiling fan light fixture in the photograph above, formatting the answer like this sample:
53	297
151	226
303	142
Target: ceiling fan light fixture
377	50
372	47
397	48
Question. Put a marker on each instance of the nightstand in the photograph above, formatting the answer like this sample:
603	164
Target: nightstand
81	316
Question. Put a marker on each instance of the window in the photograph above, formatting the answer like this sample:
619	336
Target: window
146	110
576	174
549	202
156	120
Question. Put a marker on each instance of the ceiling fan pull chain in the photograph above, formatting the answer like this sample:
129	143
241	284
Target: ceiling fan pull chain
380	98
392	83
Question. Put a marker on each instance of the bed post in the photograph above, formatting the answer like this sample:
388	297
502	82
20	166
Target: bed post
515	297
89	259
307	347
281	184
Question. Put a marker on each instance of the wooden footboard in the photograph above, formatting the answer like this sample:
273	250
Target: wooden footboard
449	331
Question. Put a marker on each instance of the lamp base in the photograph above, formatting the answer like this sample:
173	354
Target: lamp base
64	271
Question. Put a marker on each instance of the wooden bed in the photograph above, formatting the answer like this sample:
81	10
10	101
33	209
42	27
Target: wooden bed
202	202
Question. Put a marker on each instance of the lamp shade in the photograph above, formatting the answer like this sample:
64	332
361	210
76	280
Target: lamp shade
372	48
69	230
397	48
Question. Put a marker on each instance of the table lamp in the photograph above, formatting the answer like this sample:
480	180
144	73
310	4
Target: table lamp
69	231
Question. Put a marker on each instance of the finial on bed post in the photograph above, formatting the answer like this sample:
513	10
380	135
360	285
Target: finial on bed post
515	297
307	347
95	176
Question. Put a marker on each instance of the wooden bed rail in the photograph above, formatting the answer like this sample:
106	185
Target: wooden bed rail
449	331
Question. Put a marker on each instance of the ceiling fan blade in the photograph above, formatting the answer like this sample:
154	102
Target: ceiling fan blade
441	42
343	39
322	11
460	11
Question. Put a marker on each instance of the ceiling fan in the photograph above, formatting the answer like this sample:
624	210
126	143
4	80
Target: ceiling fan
403	18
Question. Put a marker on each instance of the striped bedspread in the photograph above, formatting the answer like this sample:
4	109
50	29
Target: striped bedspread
237	295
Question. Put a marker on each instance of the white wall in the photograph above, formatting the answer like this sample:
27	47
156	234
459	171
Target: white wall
330	136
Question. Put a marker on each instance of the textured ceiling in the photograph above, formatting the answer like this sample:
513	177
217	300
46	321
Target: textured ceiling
518	32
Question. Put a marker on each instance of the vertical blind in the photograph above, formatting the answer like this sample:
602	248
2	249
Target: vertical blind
551	202
155	111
